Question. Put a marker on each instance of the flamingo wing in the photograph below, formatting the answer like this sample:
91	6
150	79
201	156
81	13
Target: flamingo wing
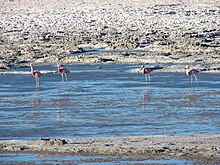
66	70
63	70
156	68
36	73
195	71
192	72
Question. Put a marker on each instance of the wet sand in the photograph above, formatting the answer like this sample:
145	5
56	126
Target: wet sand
205	148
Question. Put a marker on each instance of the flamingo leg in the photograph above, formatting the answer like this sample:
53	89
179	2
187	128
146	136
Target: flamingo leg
147	77
37	81
191	79
196	79
66	76
62	77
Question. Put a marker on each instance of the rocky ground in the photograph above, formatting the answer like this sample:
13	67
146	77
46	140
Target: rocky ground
172	32
203	148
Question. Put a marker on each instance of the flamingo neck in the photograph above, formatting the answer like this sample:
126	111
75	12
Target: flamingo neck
143	69
187	71
58	67
32	68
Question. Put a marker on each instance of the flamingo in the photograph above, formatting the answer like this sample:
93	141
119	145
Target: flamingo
146	71
192	73
36	74
62	70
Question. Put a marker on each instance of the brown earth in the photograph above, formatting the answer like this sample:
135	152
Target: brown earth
173	31
205	148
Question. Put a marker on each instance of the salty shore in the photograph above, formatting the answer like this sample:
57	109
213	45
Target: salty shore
171	32
203	148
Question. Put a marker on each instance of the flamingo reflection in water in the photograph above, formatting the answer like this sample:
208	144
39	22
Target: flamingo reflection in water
36	100
146	96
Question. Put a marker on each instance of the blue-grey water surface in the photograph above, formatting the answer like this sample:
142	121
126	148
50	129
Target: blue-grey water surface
107	101
84	160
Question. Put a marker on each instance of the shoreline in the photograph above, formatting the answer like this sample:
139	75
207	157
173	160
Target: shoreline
172	68
204	148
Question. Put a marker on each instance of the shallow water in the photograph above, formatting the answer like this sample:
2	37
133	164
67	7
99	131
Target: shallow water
87	160
107	101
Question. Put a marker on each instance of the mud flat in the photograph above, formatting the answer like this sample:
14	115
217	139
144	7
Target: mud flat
172	31
205	148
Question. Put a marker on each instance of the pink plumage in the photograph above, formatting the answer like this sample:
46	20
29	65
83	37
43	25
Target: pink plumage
191	73
147	70
62	70
36	74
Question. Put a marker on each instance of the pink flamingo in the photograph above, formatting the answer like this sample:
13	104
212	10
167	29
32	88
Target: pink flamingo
192	73
36	74
146	71
62	70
